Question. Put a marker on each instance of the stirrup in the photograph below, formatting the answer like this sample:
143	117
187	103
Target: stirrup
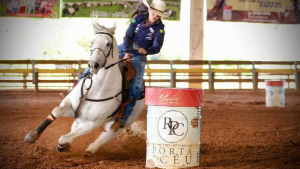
122	121
119	123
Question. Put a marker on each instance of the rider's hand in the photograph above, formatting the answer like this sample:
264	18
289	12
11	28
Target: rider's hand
142	51
128	55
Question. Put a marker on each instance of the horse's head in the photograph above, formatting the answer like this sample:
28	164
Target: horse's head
104	48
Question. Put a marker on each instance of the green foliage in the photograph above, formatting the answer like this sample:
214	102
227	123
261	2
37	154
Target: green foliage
3	9
85	42
175	9
86	11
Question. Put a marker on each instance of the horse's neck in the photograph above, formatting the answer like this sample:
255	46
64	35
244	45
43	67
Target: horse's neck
108	81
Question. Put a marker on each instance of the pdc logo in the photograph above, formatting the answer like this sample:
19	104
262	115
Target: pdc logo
172	126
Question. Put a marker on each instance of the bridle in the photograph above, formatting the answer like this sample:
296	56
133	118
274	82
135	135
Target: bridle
108	53
83	96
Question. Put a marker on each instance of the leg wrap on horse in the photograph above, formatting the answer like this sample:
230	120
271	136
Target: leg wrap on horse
45	124
61	148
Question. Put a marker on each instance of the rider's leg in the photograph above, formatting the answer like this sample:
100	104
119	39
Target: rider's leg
84	74
136	86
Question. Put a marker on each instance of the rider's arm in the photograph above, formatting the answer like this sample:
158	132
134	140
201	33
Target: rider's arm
130	33
157	41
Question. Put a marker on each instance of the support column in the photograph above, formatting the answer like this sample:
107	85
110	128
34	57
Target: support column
196	29
196	34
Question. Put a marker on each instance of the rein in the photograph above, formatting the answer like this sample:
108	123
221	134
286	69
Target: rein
123	60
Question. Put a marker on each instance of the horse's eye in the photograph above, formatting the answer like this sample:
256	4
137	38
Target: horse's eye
108	44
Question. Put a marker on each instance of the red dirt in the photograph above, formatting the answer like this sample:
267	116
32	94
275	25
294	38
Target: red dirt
237	131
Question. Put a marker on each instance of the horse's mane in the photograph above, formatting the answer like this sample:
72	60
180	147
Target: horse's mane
101	27
104	29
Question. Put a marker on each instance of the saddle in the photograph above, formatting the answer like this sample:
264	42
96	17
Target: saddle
128	73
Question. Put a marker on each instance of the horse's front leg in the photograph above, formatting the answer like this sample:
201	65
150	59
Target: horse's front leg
63	110
106	136
81	129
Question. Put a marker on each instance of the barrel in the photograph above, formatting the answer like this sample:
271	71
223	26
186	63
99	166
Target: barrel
173	127
275	93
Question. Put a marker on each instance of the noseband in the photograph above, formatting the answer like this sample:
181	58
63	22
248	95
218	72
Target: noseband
110	49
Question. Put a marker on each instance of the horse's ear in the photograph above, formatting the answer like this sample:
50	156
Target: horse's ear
95	27
113	28
95	23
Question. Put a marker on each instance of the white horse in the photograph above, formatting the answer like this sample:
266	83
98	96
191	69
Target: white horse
105	84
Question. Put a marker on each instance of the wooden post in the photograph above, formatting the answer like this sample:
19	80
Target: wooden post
172	75
79	68
36	82
256	80
240	77
33	70
254	76
210	77
213	81
296	77
25	78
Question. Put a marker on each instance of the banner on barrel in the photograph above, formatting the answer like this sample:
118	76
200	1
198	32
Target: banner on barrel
259	11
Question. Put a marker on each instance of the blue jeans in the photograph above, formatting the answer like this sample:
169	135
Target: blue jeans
85	73
137	83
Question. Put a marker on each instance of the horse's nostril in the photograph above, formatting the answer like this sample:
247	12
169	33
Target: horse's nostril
96	66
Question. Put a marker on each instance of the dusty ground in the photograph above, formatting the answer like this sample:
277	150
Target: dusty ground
237	131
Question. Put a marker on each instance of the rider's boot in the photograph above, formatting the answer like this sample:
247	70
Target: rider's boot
119	123
120	119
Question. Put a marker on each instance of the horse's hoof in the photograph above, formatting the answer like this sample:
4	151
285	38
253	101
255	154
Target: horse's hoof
64	147
88	154
32	136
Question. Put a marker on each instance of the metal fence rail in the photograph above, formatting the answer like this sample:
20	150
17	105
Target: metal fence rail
62	74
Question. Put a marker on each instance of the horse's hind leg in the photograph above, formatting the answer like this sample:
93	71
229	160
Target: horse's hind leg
80	129
106	136
57	112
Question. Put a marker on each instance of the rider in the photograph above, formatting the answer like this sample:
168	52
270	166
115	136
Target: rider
144	36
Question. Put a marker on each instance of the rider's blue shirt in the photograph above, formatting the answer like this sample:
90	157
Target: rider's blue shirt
149	37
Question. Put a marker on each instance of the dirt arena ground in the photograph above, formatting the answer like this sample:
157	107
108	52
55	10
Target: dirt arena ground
237	131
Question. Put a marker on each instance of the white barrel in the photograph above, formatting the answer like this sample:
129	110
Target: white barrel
173	127
227	13
275	93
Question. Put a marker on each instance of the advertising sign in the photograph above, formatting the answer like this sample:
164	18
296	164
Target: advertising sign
111	8
30	8
260	11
